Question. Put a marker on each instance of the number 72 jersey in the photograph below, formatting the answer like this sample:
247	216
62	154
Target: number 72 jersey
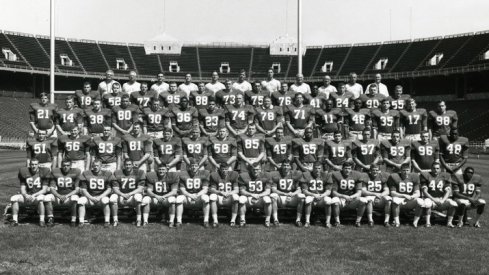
128	183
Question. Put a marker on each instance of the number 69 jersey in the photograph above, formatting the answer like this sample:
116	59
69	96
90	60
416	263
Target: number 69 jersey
65	183
226	184
95	184
315	184
33	182
162	185
128	182
194	184
346	185
405	186
255	185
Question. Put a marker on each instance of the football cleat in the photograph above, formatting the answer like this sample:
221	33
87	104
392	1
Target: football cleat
450	225
145	224
14	223
307	225
242	223
387	225
460	224
415	225
215	225
178	225
371	224
298	223
339	225
107	224
42	224
50	222
276	223
267	224
138	223
477	225
115	223
397	225
428	225
328	225
206	224
358	224
171	225
232	224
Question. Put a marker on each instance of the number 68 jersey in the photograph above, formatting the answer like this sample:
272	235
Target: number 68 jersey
97	183
406	186
256	184
128	182
162	185
194	184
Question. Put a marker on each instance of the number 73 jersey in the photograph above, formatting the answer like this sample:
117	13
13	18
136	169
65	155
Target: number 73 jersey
194	184
254	185
128	182
96	184
405	186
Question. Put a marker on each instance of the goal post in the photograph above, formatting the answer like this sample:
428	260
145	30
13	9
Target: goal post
57	93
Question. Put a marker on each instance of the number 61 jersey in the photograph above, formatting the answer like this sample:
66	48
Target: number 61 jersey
405	186
96	184
162	185
128	182
256	184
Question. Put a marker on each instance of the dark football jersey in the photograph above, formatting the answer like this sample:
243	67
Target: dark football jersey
65	183
43	116
254	185
171	100
111	100
155	121
225	98
440	124
128	182
195	149
283	99
224	184
238	117
328	121
74	148
162	185
371	102
315	184
137	147
357	119
339	152
405	186
268	118
316	102
200	100
455	151
106	150
222	150
255	99
385	122
413	122
95	184
194	184
69	119
212	121
366	152
44	151
308	151
395	152
252	146
33	181
346	185
342	101
84	101
376	184
142	100
436	185
125	117
184	119
278	150
167	151
287	183
299	117
467	188
398	103
425	154
96	121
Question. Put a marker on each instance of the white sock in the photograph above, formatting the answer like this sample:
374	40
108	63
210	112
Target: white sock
145	217
41	218
15	217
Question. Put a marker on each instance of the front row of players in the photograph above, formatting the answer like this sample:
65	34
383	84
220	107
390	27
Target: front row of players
286	188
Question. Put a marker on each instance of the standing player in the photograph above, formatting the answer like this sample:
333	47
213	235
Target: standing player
168	151
187	87
298	117
64	189
254	188
413	121
108	150
75	148
373	98
194	188
398	100
137	147
376	191
143	97
454	152
184	118
211	119
437	190
384	121
69	117
315	99
132	86
255	96
200	98
395	152
155	119
222	149
283	97
124	116
238	116
172	97
424	153
113	98
357	119
318	193
94	190
307	150
44	149
224	191
42	116
337	152
326	89
85	97
328	120
353	87
342	98
404	187
105	86
241	86
251	148
270	84
268	117
300	86
214	86
33	185
442	121
227	96
467	194
127	190
160	86
96	119
366	152
195	147
279	149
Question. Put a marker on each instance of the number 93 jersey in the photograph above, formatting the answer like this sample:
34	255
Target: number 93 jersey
226	184
405	186
65	183
128	182
162	185
96	184
196	183
346	185
256	184
315	184
106	150
33	181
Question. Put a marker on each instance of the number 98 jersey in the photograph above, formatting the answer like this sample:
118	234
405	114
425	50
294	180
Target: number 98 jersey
128	182
405	186
162	185
256	184
96	184
196	183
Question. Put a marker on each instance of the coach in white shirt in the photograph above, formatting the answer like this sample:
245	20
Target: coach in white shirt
327	88
214	86
188	86
271	84
382	88
106	85
132	85
160	85
353	87
242	85
300	86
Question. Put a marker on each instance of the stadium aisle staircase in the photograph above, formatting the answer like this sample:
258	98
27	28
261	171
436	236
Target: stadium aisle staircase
89	55
30	49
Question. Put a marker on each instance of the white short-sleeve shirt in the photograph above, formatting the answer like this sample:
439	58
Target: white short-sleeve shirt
159	88
243	86
327	90
356	89
104	87
131	88
216	87
304	88
188	88
271	85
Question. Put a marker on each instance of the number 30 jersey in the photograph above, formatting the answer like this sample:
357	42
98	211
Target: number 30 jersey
405	186
346	185
194	184
162	185
128	182
95	184
255	185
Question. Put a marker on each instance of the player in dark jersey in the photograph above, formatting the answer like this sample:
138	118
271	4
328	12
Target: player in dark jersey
298	116
227	96
224	191
347	187
366	152
254	190
64	189
315	99
337	152
377	193
404	187
356	119
86	96
44	149
251	148
155	119
279	148
114	98
255	96
467	194
398	100
75	148
424	153
143	97
437	192
268	117
283	97
42	116
372	99
195	147
441	120
286	192
184	118
168	151
108	150
317	190
194	188
124	116
33	185
68	117
96	119
395	152
200	99
307	150
454	152
127	190
238	116
328	120
161	192
384	121
138	148
95	190
222	149
342	98
172	97
211	118
413	121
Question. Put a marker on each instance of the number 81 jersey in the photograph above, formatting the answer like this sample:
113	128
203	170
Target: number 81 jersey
128	182
96	184
256	184
405	186
194	184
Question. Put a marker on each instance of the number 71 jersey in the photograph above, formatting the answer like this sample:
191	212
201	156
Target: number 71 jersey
405	186
96	184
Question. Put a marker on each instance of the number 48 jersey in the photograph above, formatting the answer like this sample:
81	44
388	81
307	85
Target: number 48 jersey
128	182
194	184
254	185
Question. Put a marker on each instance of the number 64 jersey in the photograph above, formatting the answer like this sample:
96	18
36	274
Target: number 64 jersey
406	186
97	183
33	182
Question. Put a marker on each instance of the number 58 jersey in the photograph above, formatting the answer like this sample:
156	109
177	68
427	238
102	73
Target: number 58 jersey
405	186
95	184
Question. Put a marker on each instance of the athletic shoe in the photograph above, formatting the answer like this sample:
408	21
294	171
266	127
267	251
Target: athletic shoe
179	225
14	223
232	224
371	224
298	223
339	225
428	225
387	225
276	223
242	223
50	222
415	225
358	224
328	225
267	224
115	224
460	224
107	224
477	225
215	225
450	225
397	225
138	223
307	225
206	224
145	224
171	225
42	224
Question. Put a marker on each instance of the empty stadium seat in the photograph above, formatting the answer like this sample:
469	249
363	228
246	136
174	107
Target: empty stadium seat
415	54
30	49
145	64
89	55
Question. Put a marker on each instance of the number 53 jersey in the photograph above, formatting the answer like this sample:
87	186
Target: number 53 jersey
95	184
255	185
405	186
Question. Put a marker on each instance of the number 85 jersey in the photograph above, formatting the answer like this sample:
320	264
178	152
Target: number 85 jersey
405	186
255	185
96	184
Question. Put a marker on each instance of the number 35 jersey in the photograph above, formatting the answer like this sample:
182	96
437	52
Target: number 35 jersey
405	186
128	182
33	181
96	184
194	184
255	185
162	185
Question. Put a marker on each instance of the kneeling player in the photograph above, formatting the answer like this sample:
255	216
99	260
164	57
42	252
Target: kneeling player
318	192
194	186
377	193
33	186
467	192
254	188
162	191
224	191
128	187
436	186
347	187
64	190
404	187
95	190
286	192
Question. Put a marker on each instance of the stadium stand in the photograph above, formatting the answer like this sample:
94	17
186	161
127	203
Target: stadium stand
310	60
359	58
5	44
187	62
470	51
448	47
391	51
211	59
146	64
15	116
335	54
262	61
89	55
415	54
113	52
61	48
30	49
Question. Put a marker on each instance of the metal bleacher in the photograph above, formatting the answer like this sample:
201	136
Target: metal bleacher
336	54
391	50
146	64
113	51
359	58
187	61
448	46
89	55
415	54
61	47
30	49
238	58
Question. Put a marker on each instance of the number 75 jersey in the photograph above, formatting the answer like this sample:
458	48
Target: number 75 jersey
405	186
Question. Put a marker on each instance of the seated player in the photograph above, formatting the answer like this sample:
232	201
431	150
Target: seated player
222	149
96	119
75	148
95	190
328	120
224	191
437	190
337	152
298	116
211	118
68	117
168	151
194	188
286	192
195	147
33	186
161	192
278	149
254	190
395	152
404	187
346	185
454	152
64	190
318	193
155	119
183	118
377	192
268	118
413	121
44	149
107	150
127	190
366	152
307	150
424	153
467	194
251	148
137	147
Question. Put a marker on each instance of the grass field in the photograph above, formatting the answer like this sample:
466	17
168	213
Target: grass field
254	249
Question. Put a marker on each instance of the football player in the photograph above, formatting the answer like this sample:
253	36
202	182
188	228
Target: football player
268	117
298	116
68	117
300	86
113	98
214	86
347	187
168	151
132	86
143	97
33	185
184	118
105	86
42	116
255	96
283	97
454	152
187	86
384	121
251	148
222	149
356	119
366	152
441	121
75	148
382	88
326	89
227	96
200	98
254	190
395	152
437	190
44	149
286	192
318	193
124	116
307	150
211	118
413	121
160	86
315	99
86	96
242	86
404	187
127	190
424	153
96	119
137	147
224	191
328	120
342	98
64	189
372	99
172	97
353	87
108	150
467	194
377	193
398	100
278	149
337	152
155	119
195	148
238	116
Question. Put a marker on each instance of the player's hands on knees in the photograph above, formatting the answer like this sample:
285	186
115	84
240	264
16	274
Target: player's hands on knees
62	198
29	198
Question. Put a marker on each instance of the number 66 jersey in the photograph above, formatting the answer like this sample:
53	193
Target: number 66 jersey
406	186
96	183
